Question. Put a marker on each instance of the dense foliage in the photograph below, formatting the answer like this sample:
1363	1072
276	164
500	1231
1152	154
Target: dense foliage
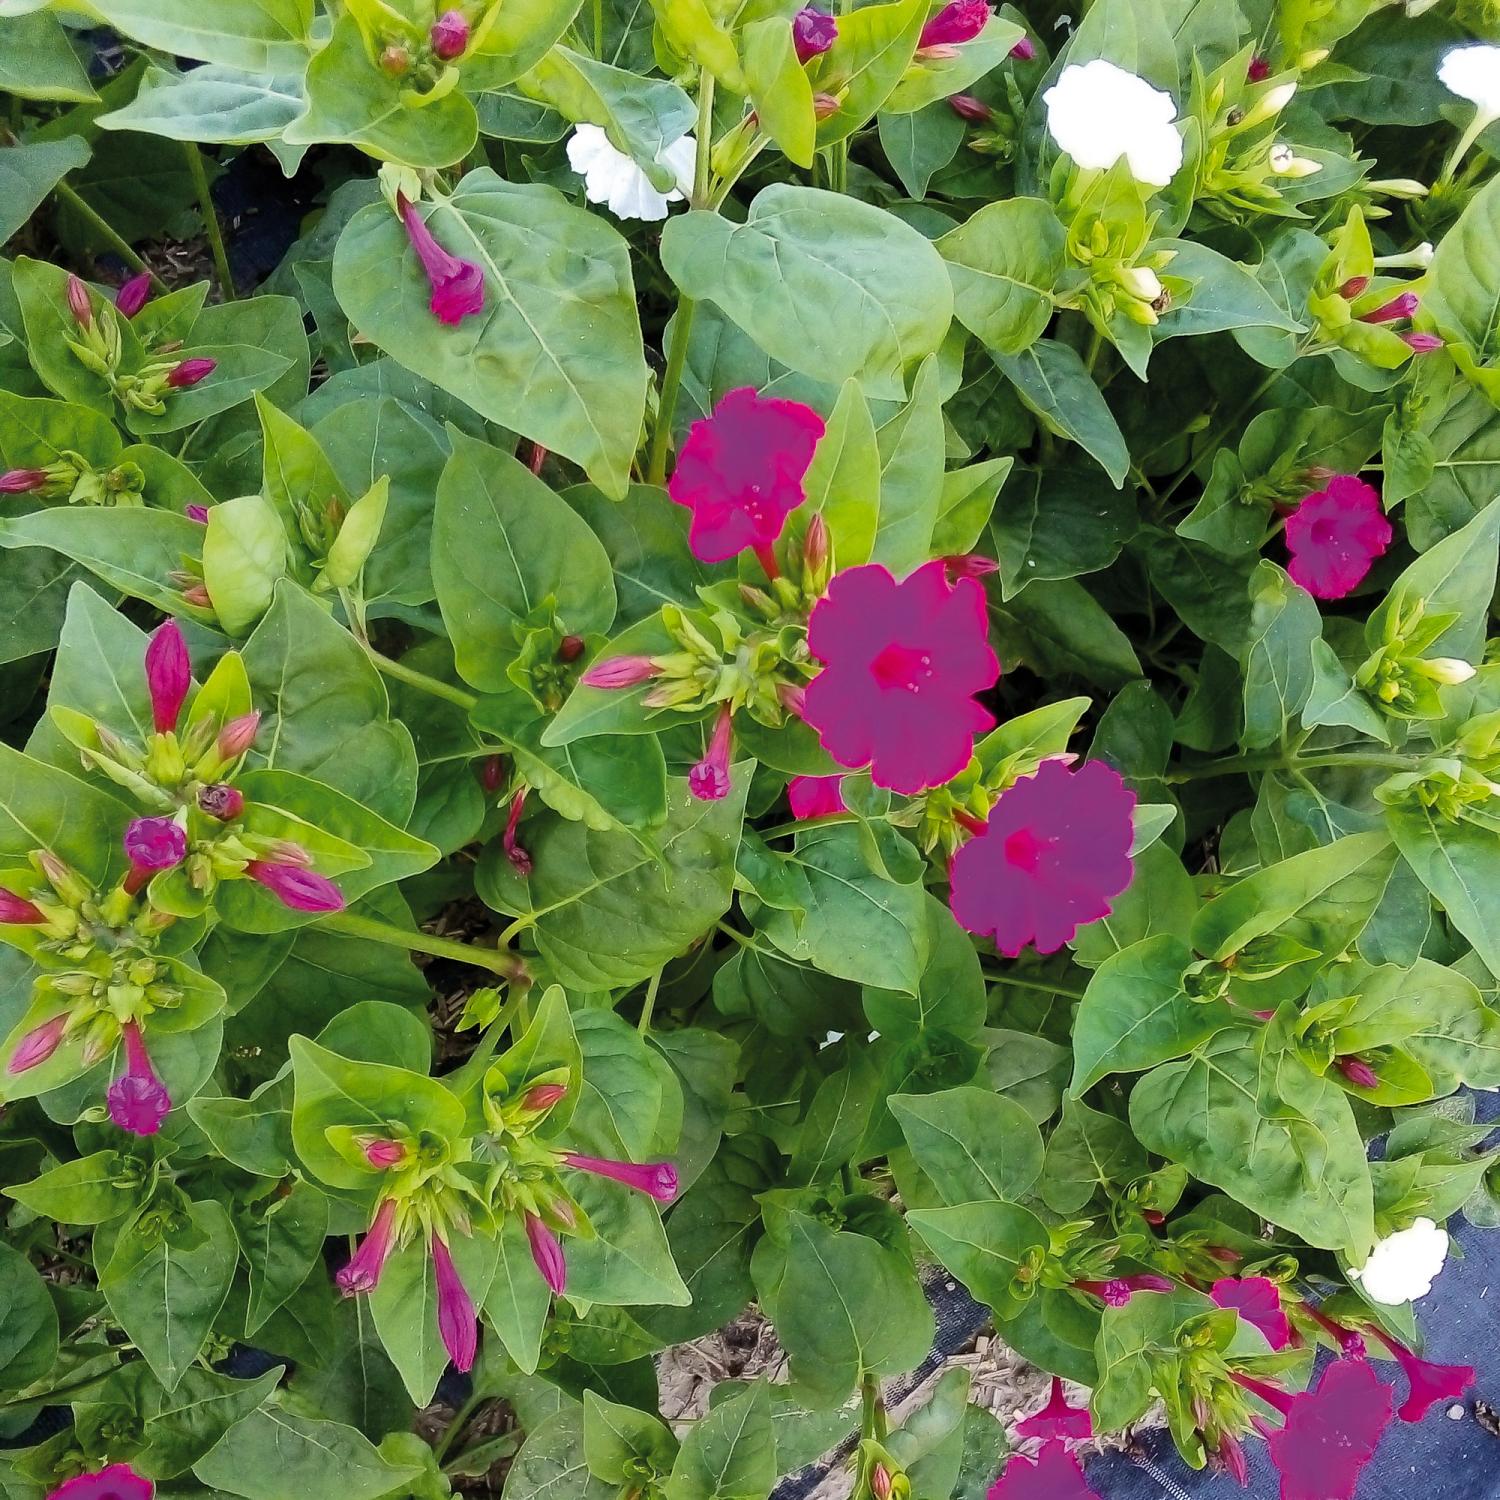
784	647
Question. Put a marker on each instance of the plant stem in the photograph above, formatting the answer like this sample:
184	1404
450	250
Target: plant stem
493	959
599	29
649	1004
107	231
210	218
1477	126
457	1425
1041	986
671	382
807	825
1277	760
421	680
872	1413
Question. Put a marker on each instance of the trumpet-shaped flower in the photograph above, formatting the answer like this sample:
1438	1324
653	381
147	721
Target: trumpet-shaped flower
1097	113
138	1100
612	178
1334	536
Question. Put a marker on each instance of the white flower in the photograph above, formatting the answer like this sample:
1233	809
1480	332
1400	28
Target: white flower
1403	1266
1473	73
1098	113
612	178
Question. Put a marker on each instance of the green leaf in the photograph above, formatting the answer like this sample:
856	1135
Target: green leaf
38	60
90	1190
182	1425
911	449
518	1300
1006	262
779	91
1058	523
606	912
211	104
1460	865
1278	658
245	556
921	144
984	1245
973	1144
281	1240
28	173
693	29
28	1322
1088	1150
619	1442
844	476
1053	383
503	545
261	36
167	1280
827	285
1224	295
551	1466
557	354
1462	295
869	57
274	1450
730	1454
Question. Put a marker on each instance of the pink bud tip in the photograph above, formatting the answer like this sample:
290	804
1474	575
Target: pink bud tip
492	773
449	35
1154	1217
1404	306
169	674
969	565
21	481
79	303
957	22
968	107
620	672
17	911
813	33
547	1252
570	648
238	735
221	801
384	1154
1024	50
544	1096
880	1482
189	372
1259	70
1354	287
457	1322
1422	343
300	889
38	1045
825	107
816	544
198	513
1357	1071
197	595
155	843
656	1179
519	857
134	295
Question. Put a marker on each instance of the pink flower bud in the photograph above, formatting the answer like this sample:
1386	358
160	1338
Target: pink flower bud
395	60
300	889
38	1045
155	844
813	33
656	1179
198	513
547	1252
1024	50
957	22
709	779
197	595
189	372
366	1265
221	801
620	672
969	565
384	1154
793	698
1403	306
238	735
449	35
1357	1071
815	547
169	675
21	481
134	295
968	107
543	1096
1354	287
1259	70
138	1101
492	773
570	648
825	107
17	911
880	1482
79	303
1422	343
457	1321
514	852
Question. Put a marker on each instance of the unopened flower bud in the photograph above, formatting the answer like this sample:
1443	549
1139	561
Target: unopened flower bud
815	549
543	1096
570	648
1271	103
793	697
79	303
1357	1071
449	35
880	1482
825	106
969	107
190	372
620	672
1354	287
37	1045
395	60
492	773
197	595
1259	70
198	513
1422	343
1447	670
813	33
17	911
1398	308
384	1154
1141	282
223	802
1024	50
237	736
134	295
21	481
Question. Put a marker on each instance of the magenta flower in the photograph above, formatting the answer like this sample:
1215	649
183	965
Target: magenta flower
1121	1289
38	1045
515	852
190	372
383	1154
79	303
656	1179
620	672
1395	311
367	1264
902	662
238	735
155	844
1357	1071
813	33
1054	1474
740	472
21	481
457	285
117	1482
169	675
1258	1302
547	1252
815	796
221	801
1427	1383
1334	536
1024	50
957	22
1058	1420
198	513
1055	853
297	887
449	35
1331	1431
17	911
137	1100
457	1322
134	295
708	780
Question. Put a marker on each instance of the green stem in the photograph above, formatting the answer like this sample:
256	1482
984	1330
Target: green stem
1041	986
599	29
496	961
806	825
648	1006
1278	760
872	1413
117	242
1477	126
457	1425
421	680
671	382
703	162
210	218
